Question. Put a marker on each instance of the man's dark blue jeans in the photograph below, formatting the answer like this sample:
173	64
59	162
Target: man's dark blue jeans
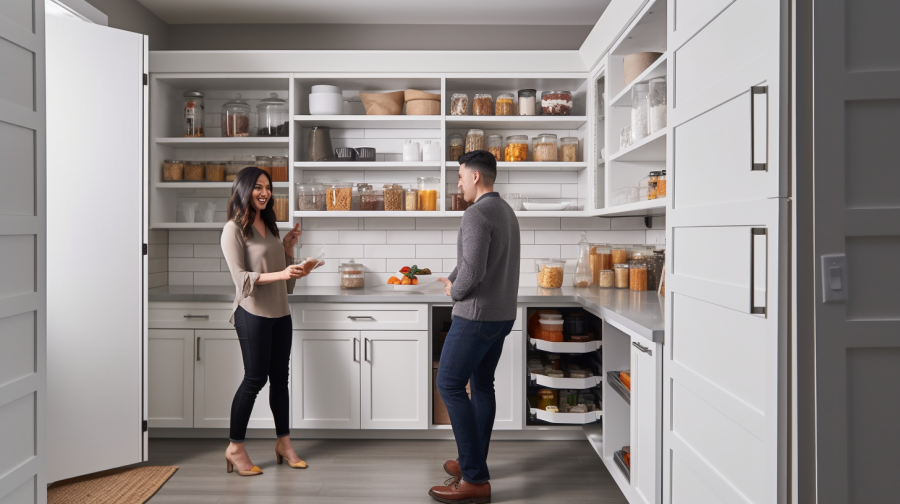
471	353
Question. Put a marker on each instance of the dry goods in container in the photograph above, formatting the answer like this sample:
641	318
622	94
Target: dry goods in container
193	114
311	197
483	105
383	103
495	146
281	205
619	254
545	147
661	185
622	279
215	171
556	102
635	64
474	140
459	104
429	193
369	199
173	170
640	110
411	199
236	118
653	185
550	273
606	279
516	148
273	116
657	104
637	277
393	197
457	146
506	105
568	149
458	201
527	102
547	398
232	168
279	169
264	163
601	259
352	276
194	170
338	197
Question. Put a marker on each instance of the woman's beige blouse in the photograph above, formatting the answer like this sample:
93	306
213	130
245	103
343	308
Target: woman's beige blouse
247	259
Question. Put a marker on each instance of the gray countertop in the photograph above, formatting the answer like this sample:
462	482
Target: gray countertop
639	312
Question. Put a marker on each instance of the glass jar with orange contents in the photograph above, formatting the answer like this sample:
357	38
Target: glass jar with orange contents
601	260
619	254
429	193
661	185
516	148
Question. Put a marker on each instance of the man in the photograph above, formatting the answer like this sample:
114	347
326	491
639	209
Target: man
484	285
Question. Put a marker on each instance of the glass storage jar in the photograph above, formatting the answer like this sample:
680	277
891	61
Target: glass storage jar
393	197
637	276
215	171
458	203
606	279
621	275
640	111
661	185
370	199
657	98
264	163
338	196
194	170
411	199
583	266
279	169
516	148
495	146
483	105
505	105
173	170
474	140
547	397
545	147
550	273
232	168
193	114
653	185
352	276
456	146
310	197
568	149
236	118
601	259
619	254
459	104
527	102
281	205
556	102
429	193
272	114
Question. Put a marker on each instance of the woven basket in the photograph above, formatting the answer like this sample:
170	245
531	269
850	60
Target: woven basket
636	63
383	103
423	107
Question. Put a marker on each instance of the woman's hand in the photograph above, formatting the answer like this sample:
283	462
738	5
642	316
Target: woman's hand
291	238
294	271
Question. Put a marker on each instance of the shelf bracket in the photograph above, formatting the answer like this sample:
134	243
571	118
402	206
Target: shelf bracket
648	222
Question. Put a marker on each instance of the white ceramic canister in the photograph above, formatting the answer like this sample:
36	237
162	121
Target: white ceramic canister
411	151
431	151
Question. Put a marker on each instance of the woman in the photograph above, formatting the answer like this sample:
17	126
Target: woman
262	268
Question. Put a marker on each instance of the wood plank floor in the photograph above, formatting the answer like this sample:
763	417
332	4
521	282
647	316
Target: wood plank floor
380	471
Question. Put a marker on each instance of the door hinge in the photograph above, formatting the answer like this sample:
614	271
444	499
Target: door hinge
146	79
144	426
145	249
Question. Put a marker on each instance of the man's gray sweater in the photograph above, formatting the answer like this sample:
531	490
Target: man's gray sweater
486	277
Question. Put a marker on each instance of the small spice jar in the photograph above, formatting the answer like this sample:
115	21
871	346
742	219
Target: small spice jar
411	199
516	148
652	185
545	147
506	105
483	105
279	169
456	146
619	254
194	170
311	197
281	205
429	193
264	163
637	277
393	197
622	279
661	185
232	168
568	149
338	197
193	114
236	118
495	146
173	170
459	104
527	102
474	140
352	276
457	202
215	171
606	279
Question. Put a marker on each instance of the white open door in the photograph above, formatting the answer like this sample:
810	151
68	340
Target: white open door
23	248
96	330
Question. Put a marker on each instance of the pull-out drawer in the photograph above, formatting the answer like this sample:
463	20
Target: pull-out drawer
360	316
189	315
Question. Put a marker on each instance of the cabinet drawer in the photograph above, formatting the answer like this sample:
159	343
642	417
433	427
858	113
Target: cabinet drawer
361	316
189	315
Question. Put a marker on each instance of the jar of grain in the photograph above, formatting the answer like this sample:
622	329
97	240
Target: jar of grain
393	197
545	147
622	279
458	203
311	197
338	197
606	279
495	146
568	149
459	104
173	170
232	168
550	273
516	148
264	163
236	118
474	140
429	193
601	259
352	276
194	170
637	277
279	169
411	199
215	171
457	146
506	105
661	185
527	102
619	254
370	199
281	205
483	105
653	185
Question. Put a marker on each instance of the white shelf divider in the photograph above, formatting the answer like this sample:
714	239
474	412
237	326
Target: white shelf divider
372	121
641	208
566	383
567	418
566	347
223	143
650	148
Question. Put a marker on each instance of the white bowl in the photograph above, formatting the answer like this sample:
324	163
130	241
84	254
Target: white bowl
324	88
533	205
326	104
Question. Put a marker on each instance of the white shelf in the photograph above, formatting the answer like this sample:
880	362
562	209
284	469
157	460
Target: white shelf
369	165
202	225
210	185
567	418
657	69
534	213
566	383
516	122
651	148
641	208
366	213
566	347
371	121
531	166
224	143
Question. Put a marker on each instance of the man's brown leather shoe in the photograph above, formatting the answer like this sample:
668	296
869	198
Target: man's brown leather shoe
457	491
451	467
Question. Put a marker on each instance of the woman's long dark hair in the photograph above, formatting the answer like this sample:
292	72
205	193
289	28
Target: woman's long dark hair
241	211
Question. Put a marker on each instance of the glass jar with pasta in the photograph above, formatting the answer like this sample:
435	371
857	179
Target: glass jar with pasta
456	146
474	140
338	197
429	193
516	148
483	105
495	146
505	105
550	273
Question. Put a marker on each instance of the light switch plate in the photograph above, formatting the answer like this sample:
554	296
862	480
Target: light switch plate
834	278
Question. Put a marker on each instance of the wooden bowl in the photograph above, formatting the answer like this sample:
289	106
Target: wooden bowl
383	103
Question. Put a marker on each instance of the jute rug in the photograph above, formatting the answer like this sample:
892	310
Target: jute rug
116	486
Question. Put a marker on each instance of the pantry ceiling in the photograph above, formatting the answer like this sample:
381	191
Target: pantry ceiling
416	12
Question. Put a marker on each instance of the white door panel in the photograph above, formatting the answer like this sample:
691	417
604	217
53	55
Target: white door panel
687	17
394	380
170	387
508	384
646	421
326	379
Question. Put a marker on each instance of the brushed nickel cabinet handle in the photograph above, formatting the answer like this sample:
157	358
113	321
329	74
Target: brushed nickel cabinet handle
754	232
355	349
361	317
198	348
189	316
642	348
762	163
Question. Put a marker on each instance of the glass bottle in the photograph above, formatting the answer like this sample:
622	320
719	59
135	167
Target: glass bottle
236	118
193	114
640	111
583	266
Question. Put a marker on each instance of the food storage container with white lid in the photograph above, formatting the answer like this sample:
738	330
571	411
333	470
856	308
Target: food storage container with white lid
550	272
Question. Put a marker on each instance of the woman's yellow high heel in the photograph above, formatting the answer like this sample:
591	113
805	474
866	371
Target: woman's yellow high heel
297	465
229	466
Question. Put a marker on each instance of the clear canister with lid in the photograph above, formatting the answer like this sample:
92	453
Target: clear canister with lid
661	185
653	185
640	110
546	147
495	146
516	148
310	197
279	169
556	102
338	196
657	101
352	275
483	105
272	116
370	199
281	205
637	276
173	169
429	193
550	273
236	117
459	104
601	259
456	146
568	149
193	114
411	198
264	163
458	202
527	102
622	279
393	197
619	254
232	168
194	170
215	171
505	105
474	140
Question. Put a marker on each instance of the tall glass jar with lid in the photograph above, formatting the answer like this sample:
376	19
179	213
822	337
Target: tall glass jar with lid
505	105
456	146
264	163
311	197
568	149
546	147
429	193
459	104
474	140
640	110
495	146
193	114
236	117
527	102
483	105
272	113
352	275
279	169
516	148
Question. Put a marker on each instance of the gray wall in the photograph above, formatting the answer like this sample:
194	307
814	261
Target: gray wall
372	37
131	16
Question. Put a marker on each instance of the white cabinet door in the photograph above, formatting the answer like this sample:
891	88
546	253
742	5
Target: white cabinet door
646	420
508	384
394	380
218	374
170	362
325	379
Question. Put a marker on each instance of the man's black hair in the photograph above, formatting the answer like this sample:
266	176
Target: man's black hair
481	161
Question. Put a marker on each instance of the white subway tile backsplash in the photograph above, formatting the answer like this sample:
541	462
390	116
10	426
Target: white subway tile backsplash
585	223
185	236
388	223
193	264
425	237
560	237
320	237
450	236
627	223
538	223
354	251
656	236
526	238
438	223
335	223
157	251
181	250
157	280
449	265
532	190
617	237
156	266
217	278
570	253
391	251
448	251
359	237
529	177
181	278
208	251
539	251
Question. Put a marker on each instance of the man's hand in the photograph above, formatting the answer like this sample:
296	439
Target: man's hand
447	285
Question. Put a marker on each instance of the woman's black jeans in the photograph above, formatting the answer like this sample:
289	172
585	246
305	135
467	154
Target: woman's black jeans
266	349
